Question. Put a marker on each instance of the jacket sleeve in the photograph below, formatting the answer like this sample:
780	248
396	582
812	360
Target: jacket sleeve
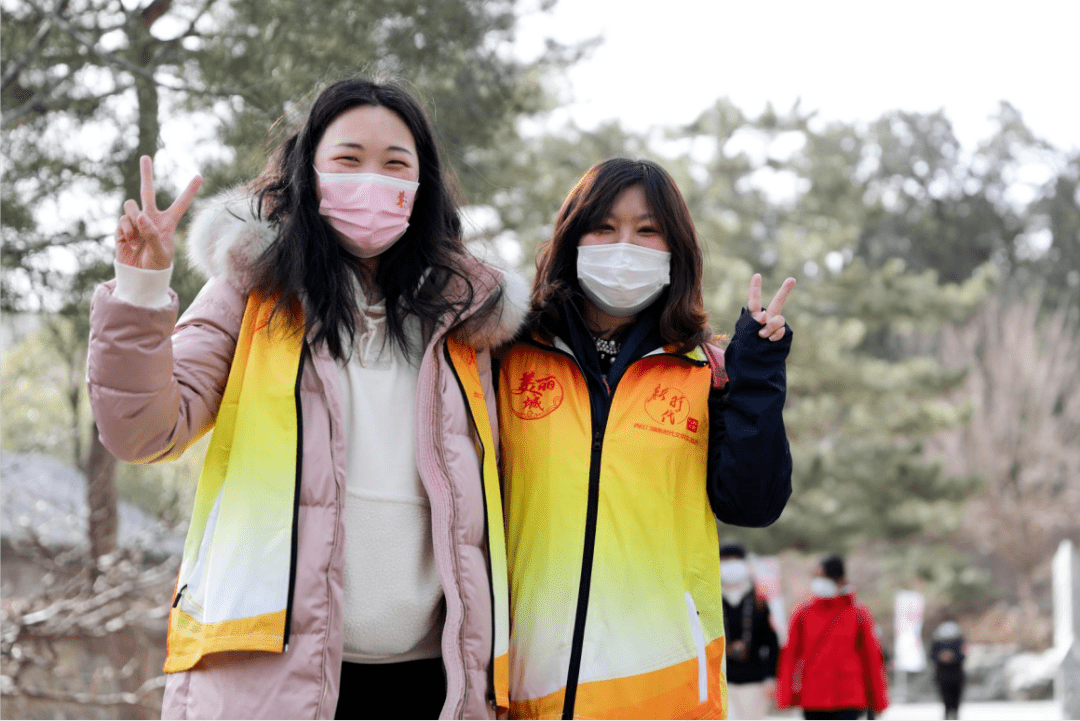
749	473
155	389
872	661
788	688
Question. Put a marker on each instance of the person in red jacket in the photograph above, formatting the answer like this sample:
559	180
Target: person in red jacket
831	666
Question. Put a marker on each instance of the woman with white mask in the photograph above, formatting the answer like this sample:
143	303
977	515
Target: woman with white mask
623	431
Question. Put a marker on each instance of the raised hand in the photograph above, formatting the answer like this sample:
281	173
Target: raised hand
770	317
144	237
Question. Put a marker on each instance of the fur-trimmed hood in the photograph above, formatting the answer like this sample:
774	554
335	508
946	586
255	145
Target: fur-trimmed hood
226	239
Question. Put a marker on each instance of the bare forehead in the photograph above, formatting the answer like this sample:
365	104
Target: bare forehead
371	127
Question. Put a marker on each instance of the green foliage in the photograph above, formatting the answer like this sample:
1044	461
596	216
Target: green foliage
45	412
35	400
779	196
1057	214
865	488
946	574
272	57
535	175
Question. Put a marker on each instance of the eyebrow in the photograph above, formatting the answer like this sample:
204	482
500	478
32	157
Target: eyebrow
358	146
643	216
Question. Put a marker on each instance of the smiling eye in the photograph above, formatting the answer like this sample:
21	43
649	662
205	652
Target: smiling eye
648	230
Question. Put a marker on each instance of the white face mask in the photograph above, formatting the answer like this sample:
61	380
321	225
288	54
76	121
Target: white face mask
622	278
734	573
824	587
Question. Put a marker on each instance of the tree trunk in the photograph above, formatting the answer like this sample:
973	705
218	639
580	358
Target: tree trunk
101	493
101	497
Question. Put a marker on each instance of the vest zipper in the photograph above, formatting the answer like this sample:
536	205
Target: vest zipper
600	404
574	666
296	498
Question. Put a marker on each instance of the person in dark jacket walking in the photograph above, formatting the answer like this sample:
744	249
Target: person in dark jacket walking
947	652
832	666
752	644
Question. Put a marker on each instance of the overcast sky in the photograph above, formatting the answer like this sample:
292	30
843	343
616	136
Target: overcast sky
664	61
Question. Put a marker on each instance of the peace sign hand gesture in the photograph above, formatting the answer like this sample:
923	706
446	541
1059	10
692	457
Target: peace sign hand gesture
144	238
770	317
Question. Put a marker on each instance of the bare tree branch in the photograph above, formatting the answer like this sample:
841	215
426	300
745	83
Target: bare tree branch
97	699
91	45
37	105
13	70
190	32
123	593
154	12
115	60
15	256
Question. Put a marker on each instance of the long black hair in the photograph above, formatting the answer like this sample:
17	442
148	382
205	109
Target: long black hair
307	265
683	321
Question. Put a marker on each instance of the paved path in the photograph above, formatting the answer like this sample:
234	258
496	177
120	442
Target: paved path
978	711
974	711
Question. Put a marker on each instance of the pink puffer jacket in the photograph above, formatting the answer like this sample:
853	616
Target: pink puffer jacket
155	389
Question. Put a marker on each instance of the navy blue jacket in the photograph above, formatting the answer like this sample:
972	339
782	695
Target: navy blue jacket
749	457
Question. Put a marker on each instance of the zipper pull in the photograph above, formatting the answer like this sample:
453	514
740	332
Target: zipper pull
596	444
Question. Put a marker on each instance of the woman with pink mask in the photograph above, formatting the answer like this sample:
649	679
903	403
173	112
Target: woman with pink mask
347	539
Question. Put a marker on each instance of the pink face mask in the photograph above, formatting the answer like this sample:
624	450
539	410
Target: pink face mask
370	210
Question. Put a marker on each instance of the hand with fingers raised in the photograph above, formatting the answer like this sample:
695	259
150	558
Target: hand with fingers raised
769	317
144	237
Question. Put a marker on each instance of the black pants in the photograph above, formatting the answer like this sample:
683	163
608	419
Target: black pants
407	690
951	691
839	713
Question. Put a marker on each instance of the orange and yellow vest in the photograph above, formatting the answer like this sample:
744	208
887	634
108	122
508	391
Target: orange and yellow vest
611	542
235	584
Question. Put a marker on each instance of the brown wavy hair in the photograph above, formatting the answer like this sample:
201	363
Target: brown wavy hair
683	321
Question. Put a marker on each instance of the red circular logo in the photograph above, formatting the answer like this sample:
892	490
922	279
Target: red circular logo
535	397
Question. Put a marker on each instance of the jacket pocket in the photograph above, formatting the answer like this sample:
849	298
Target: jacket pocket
699	644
